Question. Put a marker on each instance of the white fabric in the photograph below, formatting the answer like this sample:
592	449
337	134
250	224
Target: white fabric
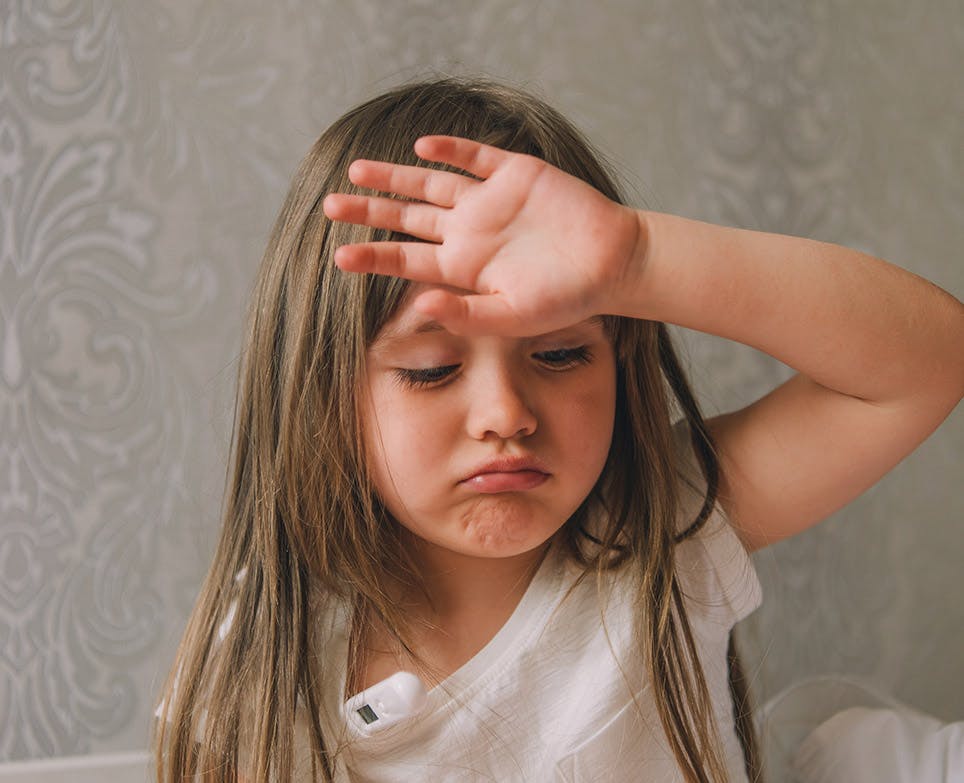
551	696
862	745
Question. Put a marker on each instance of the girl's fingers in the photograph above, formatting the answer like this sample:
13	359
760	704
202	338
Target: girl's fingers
412	260
416	219
441	188
468	314
471	156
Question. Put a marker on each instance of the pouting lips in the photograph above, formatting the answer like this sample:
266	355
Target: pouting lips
506	481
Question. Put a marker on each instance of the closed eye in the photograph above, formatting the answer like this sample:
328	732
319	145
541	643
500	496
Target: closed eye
561	358
557	359
426	377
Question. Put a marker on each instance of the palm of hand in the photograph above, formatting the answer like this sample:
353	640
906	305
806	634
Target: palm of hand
534	248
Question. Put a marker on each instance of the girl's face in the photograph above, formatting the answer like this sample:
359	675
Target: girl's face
440	408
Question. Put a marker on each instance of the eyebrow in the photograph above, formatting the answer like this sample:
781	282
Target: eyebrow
401	332
396	333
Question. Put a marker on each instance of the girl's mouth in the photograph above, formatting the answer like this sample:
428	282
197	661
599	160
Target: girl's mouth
513	481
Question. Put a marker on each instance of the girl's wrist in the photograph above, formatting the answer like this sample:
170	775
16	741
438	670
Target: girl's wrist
629	279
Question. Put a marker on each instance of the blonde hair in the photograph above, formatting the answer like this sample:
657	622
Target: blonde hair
300	512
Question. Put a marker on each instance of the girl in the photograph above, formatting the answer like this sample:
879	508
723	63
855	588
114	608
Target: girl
454	456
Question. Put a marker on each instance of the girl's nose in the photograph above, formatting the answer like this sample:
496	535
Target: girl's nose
498	406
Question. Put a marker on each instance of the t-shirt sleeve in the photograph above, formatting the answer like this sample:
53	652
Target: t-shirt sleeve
719	582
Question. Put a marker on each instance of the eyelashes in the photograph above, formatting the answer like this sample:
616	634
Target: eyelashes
426	377
557	360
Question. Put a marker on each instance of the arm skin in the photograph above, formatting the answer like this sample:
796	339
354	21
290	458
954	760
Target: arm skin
879	354
879	351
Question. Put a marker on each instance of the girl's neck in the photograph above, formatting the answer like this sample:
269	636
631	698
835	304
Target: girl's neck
458	586
465	603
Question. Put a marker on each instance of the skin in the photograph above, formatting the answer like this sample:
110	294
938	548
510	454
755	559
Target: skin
877	349
507	396
522	248
504	396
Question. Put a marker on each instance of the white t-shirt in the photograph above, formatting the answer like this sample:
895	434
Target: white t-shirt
550	697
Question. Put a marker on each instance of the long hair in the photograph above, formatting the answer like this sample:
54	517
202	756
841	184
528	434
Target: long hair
300	512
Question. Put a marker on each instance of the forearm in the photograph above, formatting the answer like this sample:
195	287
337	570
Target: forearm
851	322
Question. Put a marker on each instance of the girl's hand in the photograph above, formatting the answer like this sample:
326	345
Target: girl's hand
534	248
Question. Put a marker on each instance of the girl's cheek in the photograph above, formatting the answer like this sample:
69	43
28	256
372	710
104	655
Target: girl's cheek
592	408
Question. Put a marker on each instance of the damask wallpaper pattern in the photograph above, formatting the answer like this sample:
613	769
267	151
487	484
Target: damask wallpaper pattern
144	150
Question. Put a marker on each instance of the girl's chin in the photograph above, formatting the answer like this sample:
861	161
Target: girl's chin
505	532
492	543
493	530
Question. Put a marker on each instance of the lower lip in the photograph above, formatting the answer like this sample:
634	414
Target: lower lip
506	482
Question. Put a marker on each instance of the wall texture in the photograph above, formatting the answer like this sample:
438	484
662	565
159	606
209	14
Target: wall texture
144	150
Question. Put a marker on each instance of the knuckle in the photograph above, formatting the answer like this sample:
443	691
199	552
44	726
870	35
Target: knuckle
430	189
400	259
438	190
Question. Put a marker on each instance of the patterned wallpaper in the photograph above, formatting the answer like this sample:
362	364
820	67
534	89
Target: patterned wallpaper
144	150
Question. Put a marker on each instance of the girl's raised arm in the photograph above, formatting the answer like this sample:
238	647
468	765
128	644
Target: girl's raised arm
879	351
879	354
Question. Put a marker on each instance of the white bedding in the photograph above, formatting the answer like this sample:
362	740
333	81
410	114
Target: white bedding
860	745
839	729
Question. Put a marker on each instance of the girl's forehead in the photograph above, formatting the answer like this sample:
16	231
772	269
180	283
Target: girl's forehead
410	327
407	321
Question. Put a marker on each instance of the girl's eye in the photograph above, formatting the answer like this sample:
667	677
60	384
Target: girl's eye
563	358
426	377
558	359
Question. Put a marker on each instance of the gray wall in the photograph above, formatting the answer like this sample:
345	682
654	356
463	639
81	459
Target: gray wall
144	150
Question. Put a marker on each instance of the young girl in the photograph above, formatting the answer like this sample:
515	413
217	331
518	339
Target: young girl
455	457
